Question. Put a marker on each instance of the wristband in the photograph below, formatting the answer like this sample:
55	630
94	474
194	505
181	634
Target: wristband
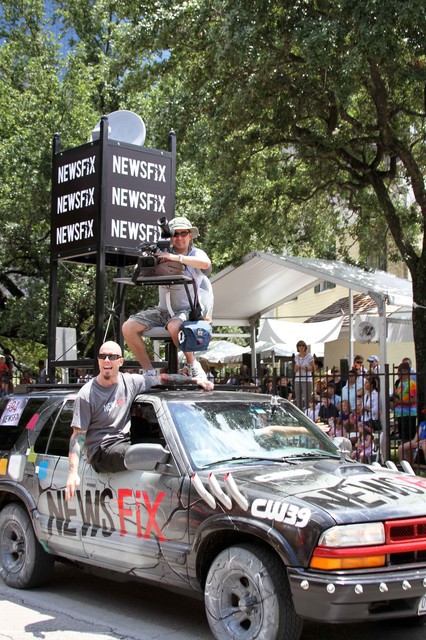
180	257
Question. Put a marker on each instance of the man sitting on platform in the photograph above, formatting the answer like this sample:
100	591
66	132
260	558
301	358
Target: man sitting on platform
174	307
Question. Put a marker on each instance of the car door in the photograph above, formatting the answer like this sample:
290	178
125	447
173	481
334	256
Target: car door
61	523
138	521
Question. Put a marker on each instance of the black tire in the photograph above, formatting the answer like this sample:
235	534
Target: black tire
418	621
23	561
247	596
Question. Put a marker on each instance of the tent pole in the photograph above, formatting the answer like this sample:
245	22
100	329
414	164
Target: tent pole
253	348
383	392
351	327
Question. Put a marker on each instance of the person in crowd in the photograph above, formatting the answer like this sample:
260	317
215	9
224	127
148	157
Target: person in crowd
249	382
354	419
4	377
285	390
303	374
331	392
358	364
101	418
318	367
243	372
173	308
343	420
374	364
328	410
413	372
320	387
363	449
405	403
353	388
83	376
267	385
336	377
371	411
25	377
313	409
42	372
412	449
10	363
337	430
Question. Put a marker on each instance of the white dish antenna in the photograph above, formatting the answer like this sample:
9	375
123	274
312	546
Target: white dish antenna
365	332
123	126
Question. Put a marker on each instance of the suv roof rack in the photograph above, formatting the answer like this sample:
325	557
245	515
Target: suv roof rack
27	387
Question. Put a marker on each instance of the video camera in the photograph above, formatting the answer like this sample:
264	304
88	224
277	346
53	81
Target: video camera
149	264
147	250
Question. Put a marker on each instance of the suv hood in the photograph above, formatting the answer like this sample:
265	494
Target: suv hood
342	490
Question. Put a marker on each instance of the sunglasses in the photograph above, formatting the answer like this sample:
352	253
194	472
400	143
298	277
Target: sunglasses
182	234
110	356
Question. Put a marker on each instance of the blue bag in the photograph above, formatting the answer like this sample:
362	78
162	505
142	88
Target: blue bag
195	335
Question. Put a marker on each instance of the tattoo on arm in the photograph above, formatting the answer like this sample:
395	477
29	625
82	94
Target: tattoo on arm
174	378
77	441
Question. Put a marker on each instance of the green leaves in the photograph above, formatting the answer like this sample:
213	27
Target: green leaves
300	126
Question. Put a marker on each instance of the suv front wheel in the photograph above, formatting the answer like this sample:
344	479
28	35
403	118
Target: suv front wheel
247	596
23	561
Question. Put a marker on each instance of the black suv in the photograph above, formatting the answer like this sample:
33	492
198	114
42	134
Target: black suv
236	495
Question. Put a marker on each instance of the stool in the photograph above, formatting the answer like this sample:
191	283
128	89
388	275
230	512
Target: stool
159	333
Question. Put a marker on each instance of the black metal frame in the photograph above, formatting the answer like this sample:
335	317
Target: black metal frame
100	255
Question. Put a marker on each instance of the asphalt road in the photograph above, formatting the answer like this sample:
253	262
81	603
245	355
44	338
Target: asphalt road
74	607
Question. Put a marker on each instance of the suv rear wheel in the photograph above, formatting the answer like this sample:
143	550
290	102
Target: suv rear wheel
247	596
23	561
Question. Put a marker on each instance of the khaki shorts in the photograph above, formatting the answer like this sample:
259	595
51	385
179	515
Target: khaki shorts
158	317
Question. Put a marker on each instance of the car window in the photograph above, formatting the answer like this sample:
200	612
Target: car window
54	437
215	431
16	413
144	425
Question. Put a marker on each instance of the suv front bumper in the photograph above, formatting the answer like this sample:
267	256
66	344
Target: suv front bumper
343	597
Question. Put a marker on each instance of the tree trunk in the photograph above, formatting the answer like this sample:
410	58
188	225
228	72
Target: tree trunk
419	328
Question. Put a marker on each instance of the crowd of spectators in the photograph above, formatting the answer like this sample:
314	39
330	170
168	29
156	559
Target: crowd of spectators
343	405
350	405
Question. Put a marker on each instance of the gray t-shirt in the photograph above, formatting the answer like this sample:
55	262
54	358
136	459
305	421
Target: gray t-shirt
104	412
178	297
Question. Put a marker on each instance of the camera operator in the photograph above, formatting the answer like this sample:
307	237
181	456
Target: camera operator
173	307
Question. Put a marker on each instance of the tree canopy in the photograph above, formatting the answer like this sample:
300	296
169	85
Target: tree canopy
300	126
307	120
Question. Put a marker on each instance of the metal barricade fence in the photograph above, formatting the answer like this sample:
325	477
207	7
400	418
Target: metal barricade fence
376	409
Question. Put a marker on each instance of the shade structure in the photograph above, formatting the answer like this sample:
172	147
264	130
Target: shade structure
263	281
289	333
222	352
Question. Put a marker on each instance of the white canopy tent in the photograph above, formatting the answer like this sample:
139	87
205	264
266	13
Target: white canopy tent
286	334
221	352
263	281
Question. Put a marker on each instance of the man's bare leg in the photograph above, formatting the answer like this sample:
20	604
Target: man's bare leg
132	334
195	367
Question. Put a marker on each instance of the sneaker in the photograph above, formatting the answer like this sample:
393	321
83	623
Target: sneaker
197	371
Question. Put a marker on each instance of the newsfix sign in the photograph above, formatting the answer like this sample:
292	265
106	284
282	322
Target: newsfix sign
121	190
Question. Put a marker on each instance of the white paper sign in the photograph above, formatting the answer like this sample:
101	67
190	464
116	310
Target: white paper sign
13	412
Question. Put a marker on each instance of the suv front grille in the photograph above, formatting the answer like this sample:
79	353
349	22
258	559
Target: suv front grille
409	538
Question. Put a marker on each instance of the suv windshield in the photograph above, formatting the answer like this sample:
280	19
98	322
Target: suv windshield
215	432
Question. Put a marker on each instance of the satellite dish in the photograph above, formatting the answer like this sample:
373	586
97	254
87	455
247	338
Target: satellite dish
124	126
364	332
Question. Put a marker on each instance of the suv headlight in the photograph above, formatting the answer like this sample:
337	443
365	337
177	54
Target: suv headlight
353	535
350	546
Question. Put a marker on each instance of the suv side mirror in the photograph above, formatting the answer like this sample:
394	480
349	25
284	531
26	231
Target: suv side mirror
145	456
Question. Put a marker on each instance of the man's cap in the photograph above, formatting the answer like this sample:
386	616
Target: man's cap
373	359
180	222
